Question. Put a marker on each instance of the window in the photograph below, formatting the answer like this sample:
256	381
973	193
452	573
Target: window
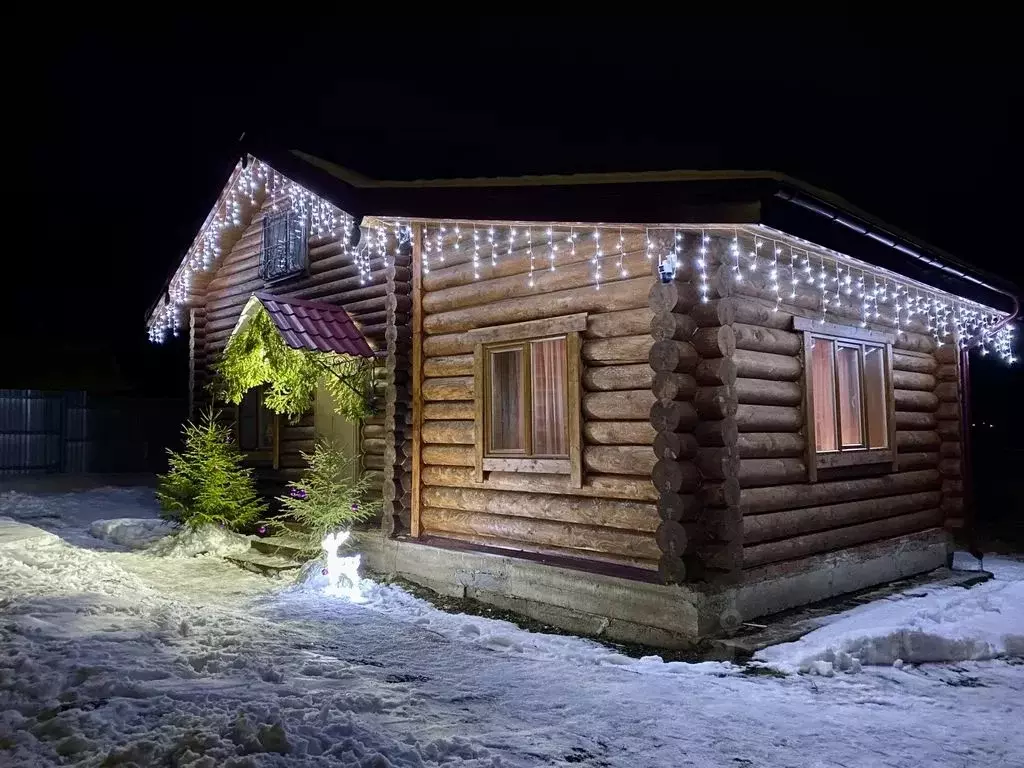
284	249
527	397
257	427
848	395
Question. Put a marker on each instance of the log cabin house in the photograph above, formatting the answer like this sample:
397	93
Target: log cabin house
648	406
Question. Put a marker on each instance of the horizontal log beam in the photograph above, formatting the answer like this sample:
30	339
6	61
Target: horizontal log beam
672	416
613	295
915	420
913	461
449	432
455	410
449	455
619	459
672	356
543	532
924	382
672	386
671	326
675	445
448	388
902	361
757	339
765	392
624	405
910	400
625	322
604	486
768	418
448	365
617	351
795	522
764	365
769	499
627	515
669	476
917	440
760	472
813	543
618	377
619	433
770	445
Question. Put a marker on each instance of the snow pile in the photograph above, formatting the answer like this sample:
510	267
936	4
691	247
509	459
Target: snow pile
131	532
940	624
208	540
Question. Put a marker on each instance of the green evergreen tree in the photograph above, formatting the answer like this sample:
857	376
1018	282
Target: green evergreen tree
326	499
206	483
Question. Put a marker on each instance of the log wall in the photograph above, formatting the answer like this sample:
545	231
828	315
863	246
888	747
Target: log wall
331	277
613	516
784	516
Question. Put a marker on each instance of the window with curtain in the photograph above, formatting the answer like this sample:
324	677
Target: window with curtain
526	394
850	396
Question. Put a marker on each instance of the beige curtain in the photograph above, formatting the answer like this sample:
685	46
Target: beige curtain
548	361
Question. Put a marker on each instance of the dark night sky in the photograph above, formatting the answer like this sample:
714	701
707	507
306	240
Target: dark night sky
130	138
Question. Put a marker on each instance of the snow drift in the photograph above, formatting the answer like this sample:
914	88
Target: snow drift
938	624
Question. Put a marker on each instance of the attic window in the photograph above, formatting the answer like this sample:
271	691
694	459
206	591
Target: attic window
284	250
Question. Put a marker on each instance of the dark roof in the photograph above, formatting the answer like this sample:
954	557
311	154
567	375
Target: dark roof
652	197
315	326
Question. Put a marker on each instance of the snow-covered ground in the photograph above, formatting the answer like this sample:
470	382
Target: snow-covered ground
115	651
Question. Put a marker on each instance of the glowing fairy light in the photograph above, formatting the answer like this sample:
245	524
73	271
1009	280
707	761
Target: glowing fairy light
622	254
342	572
596	260
773	274
702	266
476	253
734	248
494	248
529	252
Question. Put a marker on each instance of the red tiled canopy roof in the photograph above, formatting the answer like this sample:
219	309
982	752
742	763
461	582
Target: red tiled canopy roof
315	325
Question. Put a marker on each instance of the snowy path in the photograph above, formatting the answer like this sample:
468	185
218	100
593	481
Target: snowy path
115	657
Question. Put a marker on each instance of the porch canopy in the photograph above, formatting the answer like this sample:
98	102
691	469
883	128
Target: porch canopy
310	325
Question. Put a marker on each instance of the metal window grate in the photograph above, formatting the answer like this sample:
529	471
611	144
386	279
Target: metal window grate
283	252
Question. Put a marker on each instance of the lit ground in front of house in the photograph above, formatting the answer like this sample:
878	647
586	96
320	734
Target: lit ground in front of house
123	656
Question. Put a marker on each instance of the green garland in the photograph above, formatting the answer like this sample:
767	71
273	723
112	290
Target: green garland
257	356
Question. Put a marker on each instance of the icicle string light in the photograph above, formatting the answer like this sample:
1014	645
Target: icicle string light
840	280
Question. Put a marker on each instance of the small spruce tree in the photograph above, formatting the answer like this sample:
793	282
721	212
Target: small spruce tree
206	483
326	499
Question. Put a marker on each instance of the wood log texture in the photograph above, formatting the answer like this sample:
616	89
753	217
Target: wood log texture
672	416
721	371
617	351
626	322
448	388
715	402
669	325
458	410
448	365
912	363
449	455
619	377
676	297
614	295
542	532
764	365
670	476
623	405
673	356
763	472
768	418
909	400
839	538
675	445
619	433
758	339
678	506
794	522
713	313
449	432
765	392
909	380
606	486
770	445
619	459
627	515
714	342
672	386
793	496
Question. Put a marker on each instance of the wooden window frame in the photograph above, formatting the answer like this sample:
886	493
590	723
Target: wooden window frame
521	336
859	338
267	455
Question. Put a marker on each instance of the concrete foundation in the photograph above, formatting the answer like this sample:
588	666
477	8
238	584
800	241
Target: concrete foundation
630	611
